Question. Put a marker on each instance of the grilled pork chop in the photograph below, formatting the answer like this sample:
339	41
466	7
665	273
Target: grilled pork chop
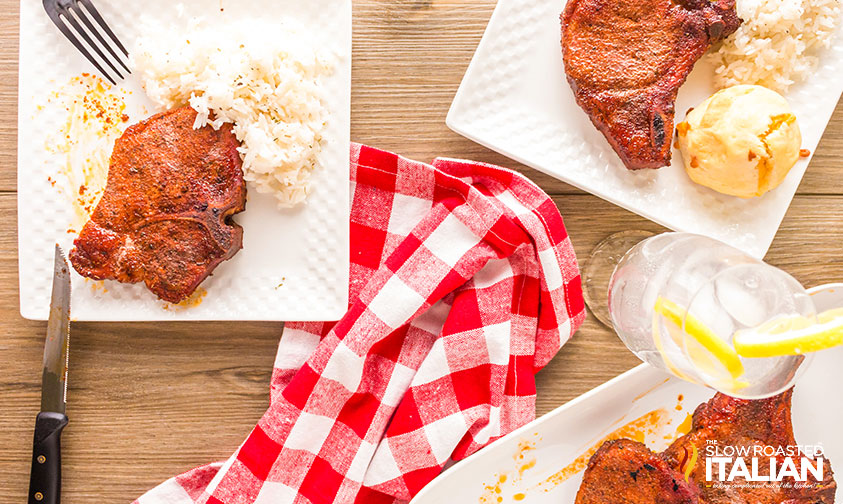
626	59
627	472
741	423
614	473
164	217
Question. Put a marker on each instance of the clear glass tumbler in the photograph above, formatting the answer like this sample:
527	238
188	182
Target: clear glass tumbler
677	299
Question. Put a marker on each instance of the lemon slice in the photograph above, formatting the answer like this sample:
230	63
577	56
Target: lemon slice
793	335
657	339
720	350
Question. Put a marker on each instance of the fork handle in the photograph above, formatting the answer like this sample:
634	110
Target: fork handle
45	477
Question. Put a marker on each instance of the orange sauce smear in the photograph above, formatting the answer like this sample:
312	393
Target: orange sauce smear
492	493
97	285
193	301
637	429
685	426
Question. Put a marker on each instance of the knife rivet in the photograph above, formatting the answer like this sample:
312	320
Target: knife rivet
41	459
39	496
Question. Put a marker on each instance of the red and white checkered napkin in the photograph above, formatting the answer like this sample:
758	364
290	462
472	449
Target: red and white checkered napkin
463	285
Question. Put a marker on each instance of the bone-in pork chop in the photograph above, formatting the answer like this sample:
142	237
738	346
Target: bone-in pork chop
726	421
626	59
164	217
615	474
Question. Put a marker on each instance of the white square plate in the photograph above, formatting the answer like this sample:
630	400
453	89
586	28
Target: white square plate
563	435
294	264
515	99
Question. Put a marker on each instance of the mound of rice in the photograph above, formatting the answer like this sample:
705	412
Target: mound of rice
778	42
262	77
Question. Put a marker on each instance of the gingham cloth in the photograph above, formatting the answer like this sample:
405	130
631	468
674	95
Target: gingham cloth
463	285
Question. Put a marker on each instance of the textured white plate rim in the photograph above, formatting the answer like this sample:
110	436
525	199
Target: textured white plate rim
457	123
647	377
336	297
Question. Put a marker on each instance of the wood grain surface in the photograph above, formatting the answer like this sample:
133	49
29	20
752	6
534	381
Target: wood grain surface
148	401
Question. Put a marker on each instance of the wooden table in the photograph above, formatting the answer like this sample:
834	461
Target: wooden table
148	401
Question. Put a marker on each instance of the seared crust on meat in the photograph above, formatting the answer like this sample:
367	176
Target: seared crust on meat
615	475
163	218
626	59
726	421
624	471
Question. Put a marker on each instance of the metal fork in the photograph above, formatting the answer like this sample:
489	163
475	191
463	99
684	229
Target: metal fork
67	14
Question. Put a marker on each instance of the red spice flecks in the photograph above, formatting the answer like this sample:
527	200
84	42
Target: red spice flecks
101	111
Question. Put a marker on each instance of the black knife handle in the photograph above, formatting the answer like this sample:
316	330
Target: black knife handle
45	477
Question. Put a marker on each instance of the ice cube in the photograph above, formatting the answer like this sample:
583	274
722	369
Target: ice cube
738	293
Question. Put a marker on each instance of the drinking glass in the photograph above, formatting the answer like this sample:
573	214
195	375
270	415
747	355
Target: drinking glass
677	299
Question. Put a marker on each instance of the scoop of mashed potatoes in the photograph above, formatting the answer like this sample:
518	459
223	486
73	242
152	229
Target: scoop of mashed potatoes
742	141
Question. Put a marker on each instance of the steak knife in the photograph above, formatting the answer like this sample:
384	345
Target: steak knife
45	476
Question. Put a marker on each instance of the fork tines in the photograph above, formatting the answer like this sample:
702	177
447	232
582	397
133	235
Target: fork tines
86	22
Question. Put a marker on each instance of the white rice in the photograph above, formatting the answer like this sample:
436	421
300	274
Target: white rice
262	77
778	43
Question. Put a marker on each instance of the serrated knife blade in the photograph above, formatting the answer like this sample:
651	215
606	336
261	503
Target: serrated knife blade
54	376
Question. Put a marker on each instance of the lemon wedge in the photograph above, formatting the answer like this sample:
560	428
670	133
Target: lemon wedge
721	351
792	335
